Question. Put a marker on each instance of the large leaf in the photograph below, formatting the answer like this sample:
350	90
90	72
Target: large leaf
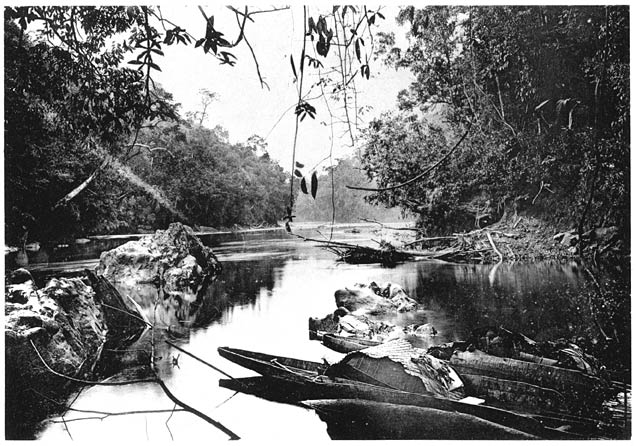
291	59
314	184
303	185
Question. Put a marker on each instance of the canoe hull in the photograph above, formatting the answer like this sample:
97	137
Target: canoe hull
352	419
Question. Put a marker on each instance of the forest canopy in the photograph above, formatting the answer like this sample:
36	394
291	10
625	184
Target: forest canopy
79	119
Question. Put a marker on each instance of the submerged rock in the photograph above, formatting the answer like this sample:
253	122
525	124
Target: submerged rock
174	257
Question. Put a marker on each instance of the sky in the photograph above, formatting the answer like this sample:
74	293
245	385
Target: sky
243	107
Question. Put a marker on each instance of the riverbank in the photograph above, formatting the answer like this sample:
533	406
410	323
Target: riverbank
522	238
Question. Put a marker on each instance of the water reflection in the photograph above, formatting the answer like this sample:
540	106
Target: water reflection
262	300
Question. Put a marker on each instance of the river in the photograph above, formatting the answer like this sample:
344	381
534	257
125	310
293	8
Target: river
269	287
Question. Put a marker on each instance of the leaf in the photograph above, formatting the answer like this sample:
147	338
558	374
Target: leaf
199	43
322	46
314	184
154	66
227	55
358	49
303	185
135	62
291	59
297	173
299	165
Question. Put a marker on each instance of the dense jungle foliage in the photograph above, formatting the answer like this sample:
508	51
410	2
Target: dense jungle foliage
70	120
93	145
544	95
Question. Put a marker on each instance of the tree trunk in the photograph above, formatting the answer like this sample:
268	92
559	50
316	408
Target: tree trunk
75	192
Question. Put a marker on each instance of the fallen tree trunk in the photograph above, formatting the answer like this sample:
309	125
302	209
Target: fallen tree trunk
75	192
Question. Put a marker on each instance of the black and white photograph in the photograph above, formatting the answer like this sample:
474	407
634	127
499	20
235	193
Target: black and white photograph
303	223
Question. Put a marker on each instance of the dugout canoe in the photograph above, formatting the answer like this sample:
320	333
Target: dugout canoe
354	419
292	380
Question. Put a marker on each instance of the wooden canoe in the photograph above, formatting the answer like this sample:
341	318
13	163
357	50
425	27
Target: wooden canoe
354	419
293	380
270	365
543	379
542	375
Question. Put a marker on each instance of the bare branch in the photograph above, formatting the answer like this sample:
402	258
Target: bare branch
194	411
258	68
83	381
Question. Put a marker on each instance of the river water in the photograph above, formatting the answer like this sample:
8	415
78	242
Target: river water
269	287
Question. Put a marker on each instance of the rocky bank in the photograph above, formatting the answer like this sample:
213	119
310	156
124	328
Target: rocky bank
63	329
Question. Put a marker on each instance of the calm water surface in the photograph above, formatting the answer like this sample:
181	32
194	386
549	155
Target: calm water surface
269	287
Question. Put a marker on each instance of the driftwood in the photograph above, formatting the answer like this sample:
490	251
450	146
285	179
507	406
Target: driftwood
386	253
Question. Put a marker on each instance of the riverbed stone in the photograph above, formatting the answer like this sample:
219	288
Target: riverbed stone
174	257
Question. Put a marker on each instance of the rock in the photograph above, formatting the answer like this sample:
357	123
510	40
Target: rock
374	299
175	256
66	327
65	322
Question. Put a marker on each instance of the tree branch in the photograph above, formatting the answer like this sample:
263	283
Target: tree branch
194	411
258	68
72	194
83	381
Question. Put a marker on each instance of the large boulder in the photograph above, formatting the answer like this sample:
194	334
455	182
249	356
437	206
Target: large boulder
174	257
374	299
60	329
